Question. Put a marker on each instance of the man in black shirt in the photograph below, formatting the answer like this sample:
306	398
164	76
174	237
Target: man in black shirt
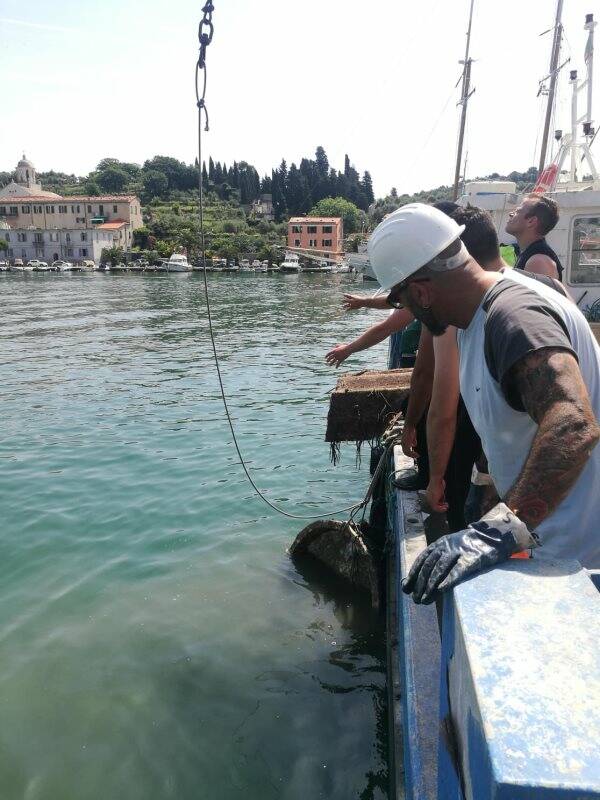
529	223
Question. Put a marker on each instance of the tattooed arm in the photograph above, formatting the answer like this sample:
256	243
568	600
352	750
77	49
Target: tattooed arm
549	384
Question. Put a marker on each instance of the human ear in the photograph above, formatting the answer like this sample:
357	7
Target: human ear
422	293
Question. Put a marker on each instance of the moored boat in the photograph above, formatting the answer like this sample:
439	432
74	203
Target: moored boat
291	263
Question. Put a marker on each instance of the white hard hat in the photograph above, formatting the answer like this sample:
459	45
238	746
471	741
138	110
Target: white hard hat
408	239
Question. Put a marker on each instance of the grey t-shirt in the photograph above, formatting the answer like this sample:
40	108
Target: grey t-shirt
518	322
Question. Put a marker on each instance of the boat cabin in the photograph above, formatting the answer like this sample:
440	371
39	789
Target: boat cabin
576	238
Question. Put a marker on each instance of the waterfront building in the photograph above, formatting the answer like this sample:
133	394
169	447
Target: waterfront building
318	236
45	225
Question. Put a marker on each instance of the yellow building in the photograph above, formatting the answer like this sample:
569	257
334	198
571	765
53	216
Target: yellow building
45	225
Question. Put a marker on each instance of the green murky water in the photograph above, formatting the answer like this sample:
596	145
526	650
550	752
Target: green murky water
155	640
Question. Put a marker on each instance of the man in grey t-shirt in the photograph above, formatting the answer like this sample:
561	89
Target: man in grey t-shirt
530	378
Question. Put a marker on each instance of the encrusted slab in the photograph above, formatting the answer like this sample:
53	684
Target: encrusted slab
362	404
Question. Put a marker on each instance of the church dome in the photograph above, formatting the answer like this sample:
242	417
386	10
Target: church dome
25	162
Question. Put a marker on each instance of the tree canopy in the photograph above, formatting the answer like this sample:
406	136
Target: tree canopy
339	207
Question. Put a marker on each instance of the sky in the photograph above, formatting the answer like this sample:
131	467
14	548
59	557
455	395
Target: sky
84	79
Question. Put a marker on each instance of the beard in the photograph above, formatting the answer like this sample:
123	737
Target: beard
428	318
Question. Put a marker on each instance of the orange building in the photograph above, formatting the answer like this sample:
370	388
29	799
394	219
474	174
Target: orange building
319	236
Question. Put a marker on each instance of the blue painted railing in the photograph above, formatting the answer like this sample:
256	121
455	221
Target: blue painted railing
509	707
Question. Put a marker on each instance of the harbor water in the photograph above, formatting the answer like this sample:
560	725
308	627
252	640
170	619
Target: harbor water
155	640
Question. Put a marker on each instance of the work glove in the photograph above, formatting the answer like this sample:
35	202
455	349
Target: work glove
455	557
393	432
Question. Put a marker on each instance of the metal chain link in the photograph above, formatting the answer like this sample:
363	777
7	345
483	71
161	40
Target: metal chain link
206	30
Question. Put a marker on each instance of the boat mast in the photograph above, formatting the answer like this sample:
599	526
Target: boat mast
464	99
556	41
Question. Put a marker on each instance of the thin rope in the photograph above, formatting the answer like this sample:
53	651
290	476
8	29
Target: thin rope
354	508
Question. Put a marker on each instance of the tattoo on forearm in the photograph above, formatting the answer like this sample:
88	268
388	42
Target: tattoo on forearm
553	393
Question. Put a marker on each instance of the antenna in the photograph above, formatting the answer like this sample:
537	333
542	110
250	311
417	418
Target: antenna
571	144
464	99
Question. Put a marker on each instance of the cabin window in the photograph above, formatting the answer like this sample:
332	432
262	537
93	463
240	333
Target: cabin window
311	228
296	228
327	229
7	237
585	250
49	209
327	242
14	209
296	242
21	237
37	209
38	238
89	209
2	209
312	242
83	236
25	209
62	209
84	251
68	237
115	209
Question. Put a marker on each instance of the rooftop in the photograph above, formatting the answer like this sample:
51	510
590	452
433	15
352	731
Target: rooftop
105	198
111	226
298	220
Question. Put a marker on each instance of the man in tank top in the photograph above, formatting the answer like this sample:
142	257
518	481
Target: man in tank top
530	379
529	223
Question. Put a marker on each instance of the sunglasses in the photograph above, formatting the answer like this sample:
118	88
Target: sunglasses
393	298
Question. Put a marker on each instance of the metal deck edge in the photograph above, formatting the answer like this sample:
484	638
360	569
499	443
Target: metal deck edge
414	654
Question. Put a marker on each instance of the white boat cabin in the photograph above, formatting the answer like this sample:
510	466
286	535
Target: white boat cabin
576	238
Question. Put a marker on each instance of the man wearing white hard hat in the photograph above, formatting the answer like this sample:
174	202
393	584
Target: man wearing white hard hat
530	379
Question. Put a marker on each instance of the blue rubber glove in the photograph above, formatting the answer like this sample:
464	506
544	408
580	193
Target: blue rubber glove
455	557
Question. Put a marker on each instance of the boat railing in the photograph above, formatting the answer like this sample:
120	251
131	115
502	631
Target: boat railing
506	703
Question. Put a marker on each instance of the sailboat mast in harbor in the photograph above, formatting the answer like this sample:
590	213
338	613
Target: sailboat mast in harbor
556	41
464	99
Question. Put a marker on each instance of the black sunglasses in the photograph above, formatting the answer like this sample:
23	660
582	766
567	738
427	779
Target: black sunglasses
393	297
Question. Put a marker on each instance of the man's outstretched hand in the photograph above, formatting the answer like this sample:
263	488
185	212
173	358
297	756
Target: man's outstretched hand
351	302
338	354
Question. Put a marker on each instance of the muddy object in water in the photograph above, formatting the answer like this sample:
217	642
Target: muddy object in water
341	546
362	404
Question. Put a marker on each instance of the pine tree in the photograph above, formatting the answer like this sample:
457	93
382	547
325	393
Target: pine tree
322	162
211	170
367	188
346	164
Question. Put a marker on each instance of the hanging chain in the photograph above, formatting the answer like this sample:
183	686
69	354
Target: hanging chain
206	30
205	35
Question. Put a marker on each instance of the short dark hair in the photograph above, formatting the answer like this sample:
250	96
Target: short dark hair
479	235
545	211
447	206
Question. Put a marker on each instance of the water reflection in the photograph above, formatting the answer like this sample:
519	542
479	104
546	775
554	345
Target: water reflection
360	662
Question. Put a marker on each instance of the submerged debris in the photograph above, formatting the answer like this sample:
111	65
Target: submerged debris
342	547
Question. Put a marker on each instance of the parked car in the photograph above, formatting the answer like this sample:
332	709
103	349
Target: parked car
18	262
62	266
88	264
3	266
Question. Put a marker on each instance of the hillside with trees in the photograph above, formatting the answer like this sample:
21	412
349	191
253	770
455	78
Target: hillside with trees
168	189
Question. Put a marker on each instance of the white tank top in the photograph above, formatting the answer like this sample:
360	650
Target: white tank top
573	530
